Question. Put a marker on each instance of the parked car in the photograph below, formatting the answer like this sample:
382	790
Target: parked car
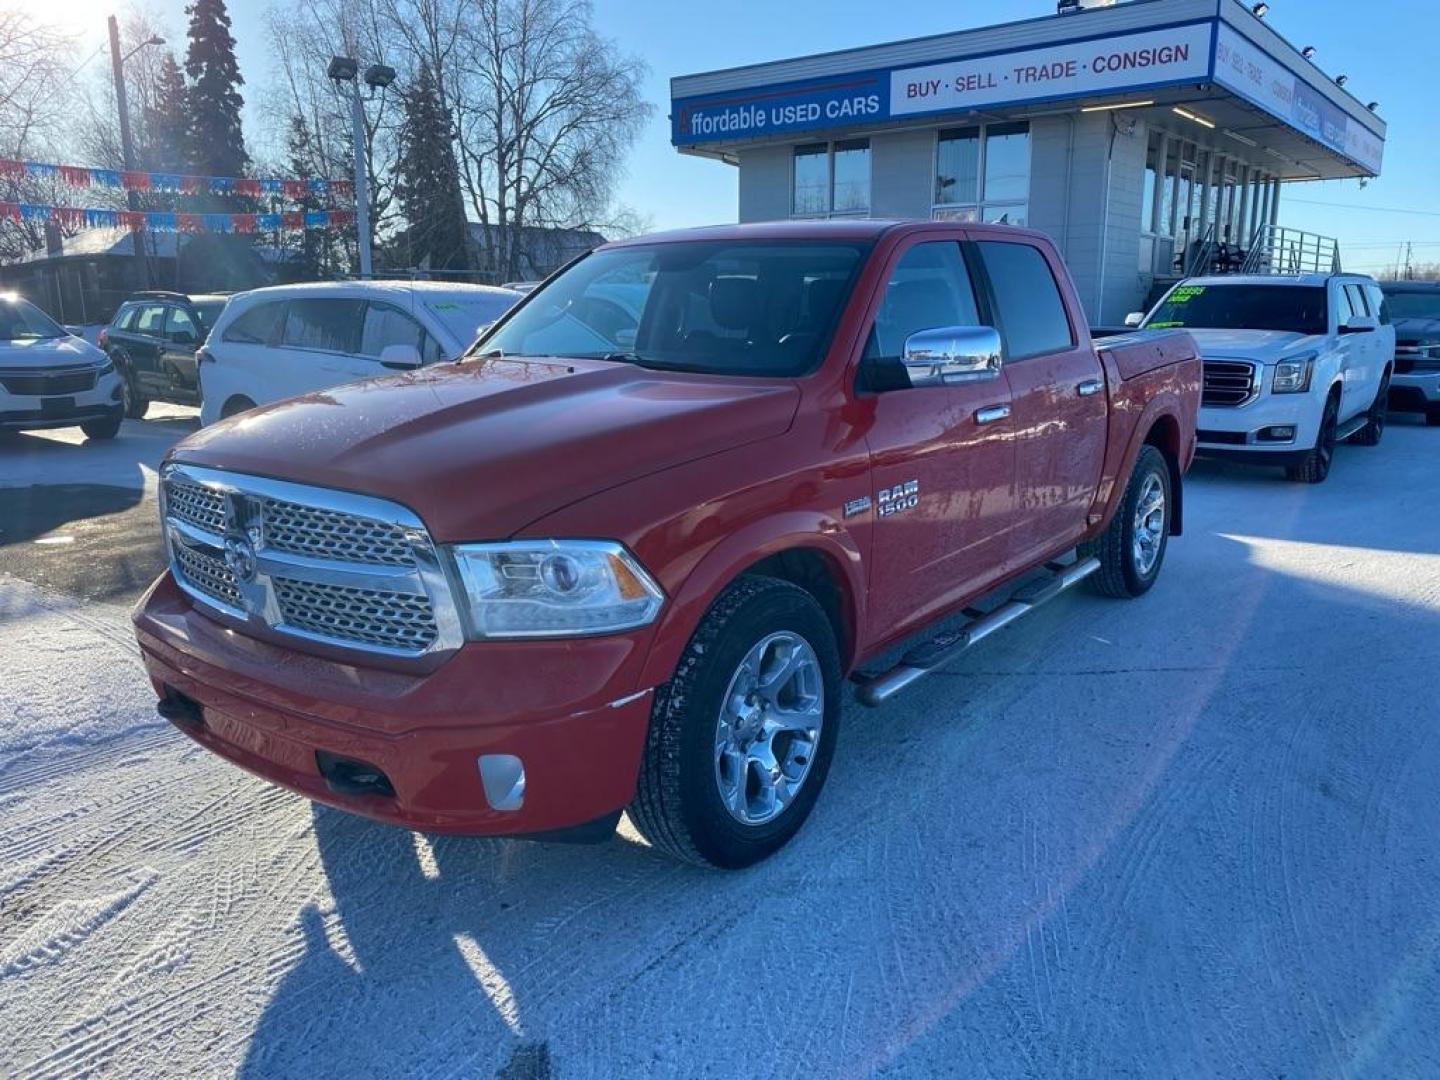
49	378
1414	307
152	339
596	566
1293	365
277	342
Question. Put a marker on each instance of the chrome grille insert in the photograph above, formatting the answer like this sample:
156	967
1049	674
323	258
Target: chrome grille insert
1228	383
326	534
314	564
395	620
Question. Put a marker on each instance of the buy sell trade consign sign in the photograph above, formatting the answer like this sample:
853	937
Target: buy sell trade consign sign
1148	59
1206	51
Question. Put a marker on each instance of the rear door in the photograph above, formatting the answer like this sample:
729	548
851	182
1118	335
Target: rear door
1057	386
319	348
942	457
144	344
183	336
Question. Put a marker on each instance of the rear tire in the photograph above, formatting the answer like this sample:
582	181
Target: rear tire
235	406
107	428
1131	550
1374	429
734	761
1315	466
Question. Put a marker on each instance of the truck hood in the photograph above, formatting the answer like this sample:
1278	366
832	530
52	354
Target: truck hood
1262	346
1417	331
483	448
61	352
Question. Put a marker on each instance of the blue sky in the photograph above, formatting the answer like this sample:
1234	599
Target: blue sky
1374	42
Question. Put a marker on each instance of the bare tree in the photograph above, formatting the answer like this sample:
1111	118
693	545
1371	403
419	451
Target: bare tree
544	131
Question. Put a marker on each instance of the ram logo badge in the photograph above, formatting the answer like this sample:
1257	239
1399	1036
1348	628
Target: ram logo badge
904	496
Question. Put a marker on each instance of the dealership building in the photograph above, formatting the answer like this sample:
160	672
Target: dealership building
1150	139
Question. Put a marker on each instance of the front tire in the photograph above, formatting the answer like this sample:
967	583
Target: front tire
742	735
107	428
136	404
1132	548
1315	466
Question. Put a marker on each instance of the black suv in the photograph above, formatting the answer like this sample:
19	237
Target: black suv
153	339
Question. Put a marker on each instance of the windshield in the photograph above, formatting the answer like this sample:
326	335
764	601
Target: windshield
467	316
209	311
722	307
21	320
1297	308
1414	305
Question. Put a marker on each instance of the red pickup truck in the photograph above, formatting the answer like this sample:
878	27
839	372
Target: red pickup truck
626	552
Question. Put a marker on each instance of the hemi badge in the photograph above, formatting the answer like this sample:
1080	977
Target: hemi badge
857	506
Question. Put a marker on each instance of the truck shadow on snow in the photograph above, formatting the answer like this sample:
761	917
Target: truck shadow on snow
1179	805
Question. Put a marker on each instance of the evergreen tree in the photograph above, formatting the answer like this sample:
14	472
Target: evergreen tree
427	184
167	125
216	146
309	246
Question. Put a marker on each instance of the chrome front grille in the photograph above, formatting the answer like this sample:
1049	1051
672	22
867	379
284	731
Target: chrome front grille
1228	383
322	566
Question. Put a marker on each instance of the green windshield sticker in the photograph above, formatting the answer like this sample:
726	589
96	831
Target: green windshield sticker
1164	325
1185	294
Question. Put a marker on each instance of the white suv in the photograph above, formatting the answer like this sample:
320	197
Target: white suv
1292	365
278	342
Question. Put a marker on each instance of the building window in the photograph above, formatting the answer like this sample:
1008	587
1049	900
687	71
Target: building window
832	179
983	174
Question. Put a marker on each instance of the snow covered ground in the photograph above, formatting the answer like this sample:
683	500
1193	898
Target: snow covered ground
1196	835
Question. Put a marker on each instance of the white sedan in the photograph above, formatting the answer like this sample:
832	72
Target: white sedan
277	342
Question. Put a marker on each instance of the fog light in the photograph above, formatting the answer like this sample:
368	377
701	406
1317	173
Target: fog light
504	778
1278	434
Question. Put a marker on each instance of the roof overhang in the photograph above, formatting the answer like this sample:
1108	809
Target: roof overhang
1240	75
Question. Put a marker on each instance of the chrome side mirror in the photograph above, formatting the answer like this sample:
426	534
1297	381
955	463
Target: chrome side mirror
1135	318
952	354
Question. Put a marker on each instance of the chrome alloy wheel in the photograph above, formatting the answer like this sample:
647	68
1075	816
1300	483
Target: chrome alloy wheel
1149	524
769	728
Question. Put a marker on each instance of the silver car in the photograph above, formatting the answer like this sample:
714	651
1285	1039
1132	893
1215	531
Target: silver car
50	378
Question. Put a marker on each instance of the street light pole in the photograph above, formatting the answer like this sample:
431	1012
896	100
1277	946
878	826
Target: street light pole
362	178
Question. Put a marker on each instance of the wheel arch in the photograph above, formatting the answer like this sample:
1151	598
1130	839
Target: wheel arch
808	550
1164	435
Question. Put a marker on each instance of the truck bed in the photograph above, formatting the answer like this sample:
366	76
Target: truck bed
1142	351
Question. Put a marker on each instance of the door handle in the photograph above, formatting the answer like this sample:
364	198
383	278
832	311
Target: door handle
1089	387
991	414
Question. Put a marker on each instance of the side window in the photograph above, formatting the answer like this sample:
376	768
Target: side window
180	327
1358	300
323	323
1379	302
1344	308
928	289
125	317
386	325
1028	305
256	326
430	350
151	320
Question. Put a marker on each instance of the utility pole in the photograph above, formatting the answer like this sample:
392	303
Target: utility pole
127	147
1409	266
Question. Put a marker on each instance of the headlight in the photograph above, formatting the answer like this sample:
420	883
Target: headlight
1292	376
106	366
554	588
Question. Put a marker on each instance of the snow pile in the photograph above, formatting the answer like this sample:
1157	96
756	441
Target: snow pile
72	672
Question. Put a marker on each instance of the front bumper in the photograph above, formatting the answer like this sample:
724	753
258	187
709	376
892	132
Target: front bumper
569	710
1415	391
1246	432
33	412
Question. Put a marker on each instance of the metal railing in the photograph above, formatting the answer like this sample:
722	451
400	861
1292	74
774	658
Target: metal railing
1278	250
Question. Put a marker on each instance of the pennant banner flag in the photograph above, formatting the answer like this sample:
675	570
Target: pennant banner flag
74	217
81	176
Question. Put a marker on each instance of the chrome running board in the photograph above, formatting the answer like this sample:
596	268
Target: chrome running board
939	651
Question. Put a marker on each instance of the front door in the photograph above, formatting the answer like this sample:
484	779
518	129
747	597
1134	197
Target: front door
144	344
182	338
1060	410
942	457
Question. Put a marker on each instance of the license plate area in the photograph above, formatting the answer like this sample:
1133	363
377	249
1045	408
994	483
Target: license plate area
57	406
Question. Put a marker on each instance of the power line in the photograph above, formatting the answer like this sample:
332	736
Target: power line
1371	209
